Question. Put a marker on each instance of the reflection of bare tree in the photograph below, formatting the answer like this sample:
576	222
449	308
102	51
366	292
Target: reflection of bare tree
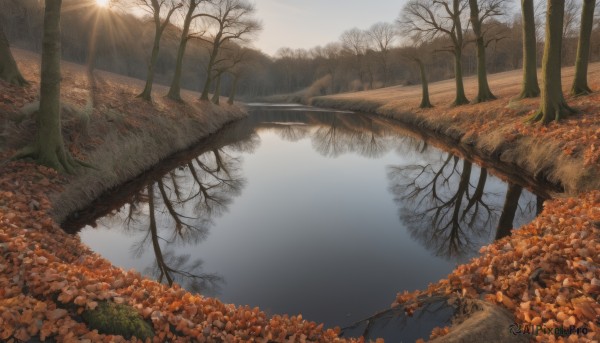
326	139
180	210
292	133
372	141
343	133
440	206
505	223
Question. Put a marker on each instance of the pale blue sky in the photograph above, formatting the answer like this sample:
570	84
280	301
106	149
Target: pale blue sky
308	23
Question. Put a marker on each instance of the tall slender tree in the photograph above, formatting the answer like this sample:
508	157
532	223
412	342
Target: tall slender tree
479	16
192	6
417	54
426	19
530	87
552	105
580	84
156	9
233	20
8	67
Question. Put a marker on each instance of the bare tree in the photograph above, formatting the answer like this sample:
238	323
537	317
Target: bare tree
190	15
231	55
156	9
8	67
418	53
481	12
328	58
427	19
553	105
232	20
354	41
382	36
237	71
580	84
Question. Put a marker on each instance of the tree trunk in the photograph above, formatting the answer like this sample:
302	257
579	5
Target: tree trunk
461	98
175	89
234	85
425	103
49	148
484	93
580	84
505	224
160	262
209	69
217	95
552	105
531	89
8	67
147	92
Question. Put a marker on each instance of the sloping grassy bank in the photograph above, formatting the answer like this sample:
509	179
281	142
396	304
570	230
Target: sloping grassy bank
567	153
52	287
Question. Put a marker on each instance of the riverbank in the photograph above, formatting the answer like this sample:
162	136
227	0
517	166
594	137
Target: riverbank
566	153
52	287
547	273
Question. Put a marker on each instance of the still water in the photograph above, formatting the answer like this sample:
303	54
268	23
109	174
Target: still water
300	210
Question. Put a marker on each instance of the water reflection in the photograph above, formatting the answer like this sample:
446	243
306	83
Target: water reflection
316	230
179	209
446	206
331	134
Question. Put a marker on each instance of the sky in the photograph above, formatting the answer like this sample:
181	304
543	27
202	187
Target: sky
308	23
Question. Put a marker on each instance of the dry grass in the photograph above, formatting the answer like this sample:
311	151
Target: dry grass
110	128
565	153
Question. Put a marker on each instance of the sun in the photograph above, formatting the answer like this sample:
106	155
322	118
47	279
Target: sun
102	3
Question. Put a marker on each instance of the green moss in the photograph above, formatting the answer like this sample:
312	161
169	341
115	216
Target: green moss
115	319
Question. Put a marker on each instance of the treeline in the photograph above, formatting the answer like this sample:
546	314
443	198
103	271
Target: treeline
361	59
380	56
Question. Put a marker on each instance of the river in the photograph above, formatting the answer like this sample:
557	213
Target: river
301	210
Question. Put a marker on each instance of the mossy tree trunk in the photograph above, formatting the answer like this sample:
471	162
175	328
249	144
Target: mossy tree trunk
460	98
483	93
507	217
159	28
425	103
48	148
580	84
531	88
552	105
8	67
234	85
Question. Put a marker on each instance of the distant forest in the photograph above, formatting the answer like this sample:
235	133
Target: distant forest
360	60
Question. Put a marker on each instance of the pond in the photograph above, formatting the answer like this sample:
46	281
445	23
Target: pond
302	210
